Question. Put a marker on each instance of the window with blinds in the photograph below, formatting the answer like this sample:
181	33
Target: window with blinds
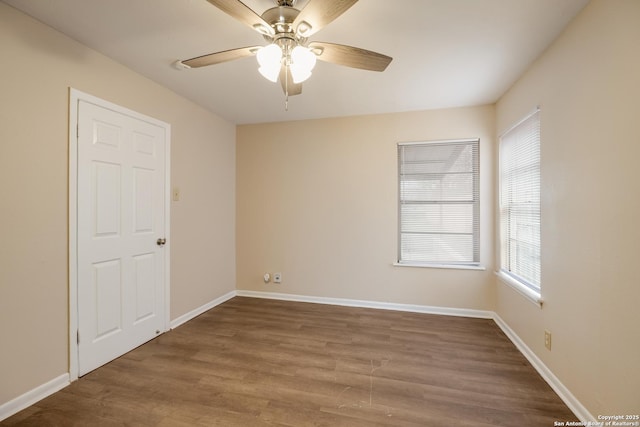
439	203
520	202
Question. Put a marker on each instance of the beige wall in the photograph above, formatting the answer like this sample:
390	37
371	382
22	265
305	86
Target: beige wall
317	201
588	87
38	66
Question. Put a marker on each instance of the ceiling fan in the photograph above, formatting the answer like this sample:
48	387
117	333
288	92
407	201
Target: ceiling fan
289	56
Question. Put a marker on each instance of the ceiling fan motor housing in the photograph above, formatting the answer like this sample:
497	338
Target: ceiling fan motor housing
289	3
281	18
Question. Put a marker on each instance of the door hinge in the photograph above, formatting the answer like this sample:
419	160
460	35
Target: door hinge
78	336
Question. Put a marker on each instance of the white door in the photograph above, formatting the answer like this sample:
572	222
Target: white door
120	217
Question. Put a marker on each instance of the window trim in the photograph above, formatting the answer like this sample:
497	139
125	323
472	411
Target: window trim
434	265
476	265
530	291
530	294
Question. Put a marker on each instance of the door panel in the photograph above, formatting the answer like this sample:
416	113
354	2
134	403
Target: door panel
106	196
107	297
121	206
143	199
144	267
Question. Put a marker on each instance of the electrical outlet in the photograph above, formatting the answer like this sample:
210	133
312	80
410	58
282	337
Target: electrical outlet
547	340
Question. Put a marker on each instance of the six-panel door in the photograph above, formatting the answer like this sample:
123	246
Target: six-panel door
121	176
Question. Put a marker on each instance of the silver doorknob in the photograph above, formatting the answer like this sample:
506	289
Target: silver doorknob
161	241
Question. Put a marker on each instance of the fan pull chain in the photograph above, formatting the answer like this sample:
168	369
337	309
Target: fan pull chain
286	88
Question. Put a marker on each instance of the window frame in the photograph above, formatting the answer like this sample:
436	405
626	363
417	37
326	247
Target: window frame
515	279
475	203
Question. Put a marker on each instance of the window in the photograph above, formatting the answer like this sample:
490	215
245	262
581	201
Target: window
520	202
439	203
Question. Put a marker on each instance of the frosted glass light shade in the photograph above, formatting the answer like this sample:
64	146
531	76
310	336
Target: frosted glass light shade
270	73
302	62
269	58
299	73
304	57
269	55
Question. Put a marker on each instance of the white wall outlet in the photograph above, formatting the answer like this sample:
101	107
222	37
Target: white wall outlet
547	340
277	277
266	277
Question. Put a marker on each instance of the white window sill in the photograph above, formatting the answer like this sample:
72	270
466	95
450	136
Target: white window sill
523	290
447	266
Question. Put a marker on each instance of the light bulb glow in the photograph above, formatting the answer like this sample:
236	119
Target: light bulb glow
299	73
302	62
270	72
269	58
303	57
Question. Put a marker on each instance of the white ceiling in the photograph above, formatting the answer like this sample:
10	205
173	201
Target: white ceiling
446	53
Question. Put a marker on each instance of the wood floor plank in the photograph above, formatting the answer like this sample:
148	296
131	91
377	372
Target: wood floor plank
255	362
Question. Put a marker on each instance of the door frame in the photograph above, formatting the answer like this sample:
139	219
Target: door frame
75	96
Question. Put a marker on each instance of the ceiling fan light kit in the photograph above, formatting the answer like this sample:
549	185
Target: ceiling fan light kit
289	56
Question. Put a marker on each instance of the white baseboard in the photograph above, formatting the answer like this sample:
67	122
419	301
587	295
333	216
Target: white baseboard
31	397
567	397
444	311
198	311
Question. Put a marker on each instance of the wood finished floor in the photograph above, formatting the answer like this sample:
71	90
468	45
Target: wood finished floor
253	362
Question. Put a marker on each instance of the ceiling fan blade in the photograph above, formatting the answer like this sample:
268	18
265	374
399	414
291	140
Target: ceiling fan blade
350	56
244	14
286	80
218	57
316	14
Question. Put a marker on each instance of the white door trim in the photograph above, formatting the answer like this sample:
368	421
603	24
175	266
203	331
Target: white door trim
74	97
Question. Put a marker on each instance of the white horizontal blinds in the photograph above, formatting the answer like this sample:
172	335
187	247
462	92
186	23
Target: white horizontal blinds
439	202
520	201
